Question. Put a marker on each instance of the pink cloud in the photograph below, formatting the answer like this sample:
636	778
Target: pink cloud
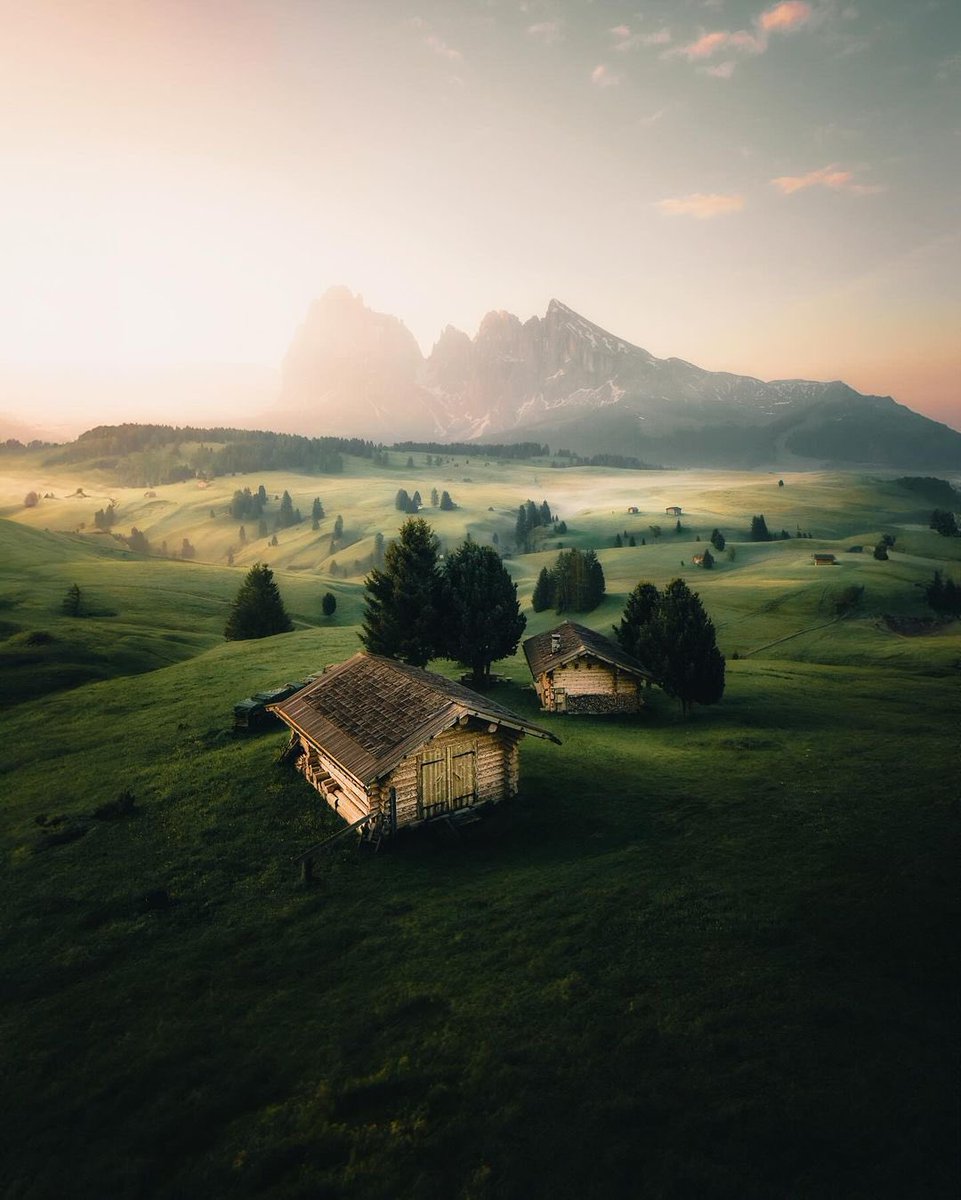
602	77
621	31
701	205
827	177
790	14
705	46
782	18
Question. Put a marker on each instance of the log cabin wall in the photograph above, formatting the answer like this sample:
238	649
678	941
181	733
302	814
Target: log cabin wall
345	795
590	686
492	758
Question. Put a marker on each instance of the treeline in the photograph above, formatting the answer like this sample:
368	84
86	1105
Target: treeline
620	462
15	446
936	491
478	449
148	455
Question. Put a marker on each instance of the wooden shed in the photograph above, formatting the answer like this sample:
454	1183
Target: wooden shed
381	739
674	510
577	670
825	560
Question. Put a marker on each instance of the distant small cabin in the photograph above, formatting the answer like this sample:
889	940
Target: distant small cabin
633	509
825	560
698	560
576	670
674	510
383	740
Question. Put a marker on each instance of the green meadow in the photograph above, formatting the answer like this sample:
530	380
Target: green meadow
703	958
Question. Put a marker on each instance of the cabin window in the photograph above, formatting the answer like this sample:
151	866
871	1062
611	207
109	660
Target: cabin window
448	780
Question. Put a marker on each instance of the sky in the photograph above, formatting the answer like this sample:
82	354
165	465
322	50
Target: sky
766	189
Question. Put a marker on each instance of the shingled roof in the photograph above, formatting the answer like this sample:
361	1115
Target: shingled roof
576	641
369	712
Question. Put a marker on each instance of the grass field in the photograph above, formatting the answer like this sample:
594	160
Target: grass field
712	958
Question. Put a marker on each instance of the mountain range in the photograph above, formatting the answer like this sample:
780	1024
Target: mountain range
563	380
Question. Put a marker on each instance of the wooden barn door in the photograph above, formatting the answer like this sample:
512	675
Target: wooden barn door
448	780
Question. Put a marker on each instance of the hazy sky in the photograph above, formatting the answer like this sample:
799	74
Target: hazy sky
772	190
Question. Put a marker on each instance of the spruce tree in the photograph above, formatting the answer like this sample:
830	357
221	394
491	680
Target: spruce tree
634	631
286	517
328	604
717	540
482	618
446	504
687	663
402	615
434	497
544	590
759	529
258	610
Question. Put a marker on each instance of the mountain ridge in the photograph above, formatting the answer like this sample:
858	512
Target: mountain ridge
564	379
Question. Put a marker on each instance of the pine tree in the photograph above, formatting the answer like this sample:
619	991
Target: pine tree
262	528
717	540
521	529
434	497
759	529
258	610
482	618
687	663
328	604
286	517
402	614
544	590
446	504
634	631
617	541
708	560
673	636
944	522
416	501
72	602
402	501
242	535
317	510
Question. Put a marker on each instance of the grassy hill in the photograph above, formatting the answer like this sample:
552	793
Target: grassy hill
710	958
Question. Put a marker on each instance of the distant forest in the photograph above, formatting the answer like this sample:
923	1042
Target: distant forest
148	455
479	449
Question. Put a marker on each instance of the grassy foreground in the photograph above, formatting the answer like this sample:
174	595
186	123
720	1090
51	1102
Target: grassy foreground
713	958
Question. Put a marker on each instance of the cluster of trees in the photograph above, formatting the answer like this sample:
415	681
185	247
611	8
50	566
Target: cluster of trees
104	518
247	505
672	635
530	516
882	547
761	533
417	610
943	595
943	521
413	504
574	584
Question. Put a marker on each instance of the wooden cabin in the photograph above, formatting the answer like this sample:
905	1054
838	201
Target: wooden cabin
673	510
825	560
632	509
576	670
381	739
698	560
